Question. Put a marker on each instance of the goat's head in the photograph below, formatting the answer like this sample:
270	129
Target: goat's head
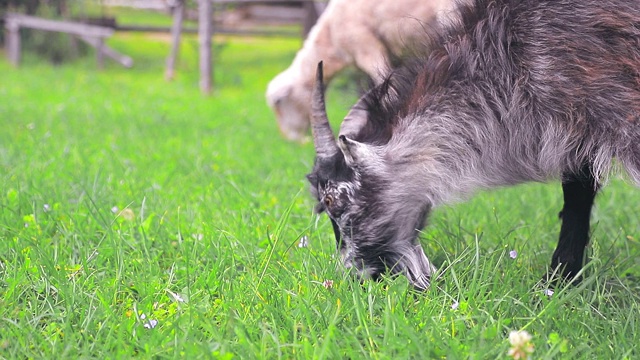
375	229
289	99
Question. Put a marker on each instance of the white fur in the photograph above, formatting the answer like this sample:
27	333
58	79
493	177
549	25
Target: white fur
360	33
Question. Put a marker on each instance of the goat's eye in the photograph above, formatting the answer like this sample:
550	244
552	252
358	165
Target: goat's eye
328	200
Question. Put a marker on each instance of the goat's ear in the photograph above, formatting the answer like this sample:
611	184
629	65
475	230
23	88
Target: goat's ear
312	178
355	152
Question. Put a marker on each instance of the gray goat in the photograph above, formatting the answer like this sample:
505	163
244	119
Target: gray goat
512	91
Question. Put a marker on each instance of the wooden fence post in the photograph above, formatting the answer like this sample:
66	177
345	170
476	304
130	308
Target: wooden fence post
205	27
13	42
176	29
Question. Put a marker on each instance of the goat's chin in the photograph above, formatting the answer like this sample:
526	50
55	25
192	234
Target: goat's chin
417	267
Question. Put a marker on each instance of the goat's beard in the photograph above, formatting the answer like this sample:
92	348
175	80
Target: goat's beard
417	267
407	259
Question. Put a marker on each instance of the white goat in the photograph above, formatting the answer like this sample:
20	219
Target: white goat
350	32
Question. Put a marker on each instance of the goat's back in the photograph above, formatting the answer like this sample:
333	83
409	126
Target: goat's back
556	82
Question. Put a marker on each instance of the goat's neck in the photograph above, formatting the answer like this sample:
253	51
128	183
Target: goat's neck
443	159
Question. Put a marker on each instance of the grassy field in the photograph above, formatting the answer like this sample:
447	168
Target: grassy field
139	219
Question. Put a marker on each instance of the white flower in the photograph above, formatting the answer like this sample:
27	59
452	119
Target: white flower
513	254
517	338
548	292
114	209
521	346
197	237
151	324
455	305
304	242
46	207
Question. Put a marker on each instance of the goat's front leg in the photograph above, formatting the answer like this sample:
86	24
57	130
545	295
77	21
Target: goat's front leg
579	191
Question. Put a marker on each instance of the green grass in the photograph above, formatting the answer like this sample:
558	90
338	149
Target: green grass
119	190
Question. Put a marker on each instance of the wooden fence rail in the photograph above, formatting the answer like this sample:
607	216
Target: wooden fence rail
307	15
91	34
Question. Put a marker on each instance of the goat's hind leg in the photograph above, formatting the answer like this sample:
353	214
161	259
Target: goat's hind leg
579	190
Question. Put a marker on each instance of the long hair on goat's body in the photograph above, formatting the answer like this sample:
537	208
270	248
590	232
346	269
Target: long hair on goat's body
512	91
515	91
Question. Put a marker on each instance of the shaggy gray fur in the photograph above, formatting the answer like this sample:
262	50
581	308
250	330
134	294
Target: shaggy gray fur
514	91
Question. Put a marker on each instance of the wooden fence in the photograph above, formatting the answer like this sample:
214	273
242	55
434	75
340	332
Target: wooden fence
308	16
91	34
306	12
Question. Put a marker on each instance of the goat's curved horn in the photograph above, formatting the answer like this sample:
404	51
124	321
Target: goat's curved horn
323	139
356	119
